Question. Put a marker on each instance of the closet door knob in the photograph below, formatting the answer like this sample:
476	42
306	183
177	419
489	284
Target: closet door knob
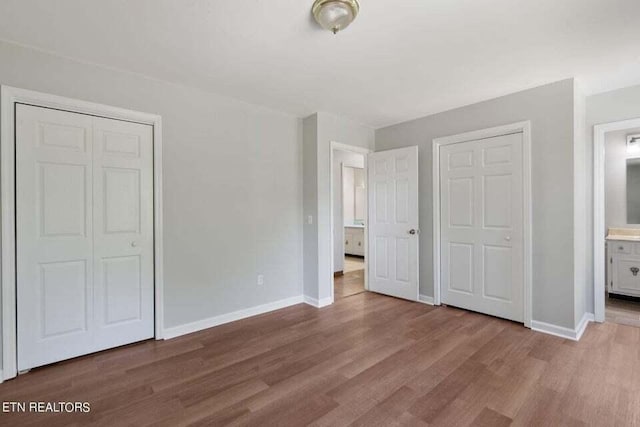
508	238
134	244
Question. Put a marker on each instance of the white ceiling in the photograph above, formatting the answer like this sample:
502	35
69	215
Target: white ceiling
400	59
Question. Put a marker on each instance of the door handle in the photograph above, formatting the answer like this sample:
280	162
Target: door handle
414	231
134	244
508	238
635	270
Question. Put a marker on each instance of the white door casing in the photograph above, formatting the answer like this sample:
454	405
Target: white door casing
393	222
84	193
482	226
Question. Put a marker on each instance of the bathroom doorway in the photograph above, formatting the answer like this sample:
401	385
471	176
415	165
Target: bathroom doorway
349	197
617	221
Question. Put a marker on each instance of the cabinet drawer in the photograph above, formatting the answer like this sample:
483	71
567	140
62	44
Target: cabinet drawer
618	247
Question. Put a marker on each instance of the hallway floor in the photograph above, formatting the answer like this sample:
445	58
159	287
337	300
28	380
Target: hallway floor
348	284
353	263
622	311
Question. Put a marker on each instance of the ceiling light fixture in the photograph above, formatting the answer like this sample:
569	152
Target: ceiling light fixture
335	15
633	144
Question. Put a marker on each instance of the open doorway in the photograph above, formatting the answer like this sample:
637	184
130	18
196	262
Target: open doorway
349	204
621	233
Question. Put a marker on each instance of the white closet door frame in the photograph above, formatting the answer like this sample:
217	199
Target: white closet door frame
9	96
525	128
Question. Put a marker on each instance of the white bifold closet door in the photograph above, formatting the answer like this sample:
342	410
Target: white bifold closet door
481	249
84	234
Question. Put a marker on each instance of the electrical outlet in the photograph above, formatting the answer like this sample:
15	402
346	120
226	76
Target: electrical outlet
260	280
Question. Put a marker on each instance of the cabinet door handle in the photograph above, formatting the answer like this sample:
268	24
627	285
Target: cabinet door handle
635	270
620	248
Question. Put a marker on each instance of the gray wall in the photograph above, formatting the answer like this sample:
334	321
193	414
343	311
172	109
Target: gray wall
581	265
550	110
310	205
320	130
232	183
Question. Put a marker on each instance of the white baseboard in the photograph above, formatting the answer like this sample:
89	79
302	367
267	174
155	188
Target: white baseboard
425	299
561	331
188	328
584	322
318	303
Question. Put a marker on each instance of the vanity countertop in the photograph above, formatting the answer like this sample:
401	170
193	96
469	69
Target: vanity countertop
626	234
358	226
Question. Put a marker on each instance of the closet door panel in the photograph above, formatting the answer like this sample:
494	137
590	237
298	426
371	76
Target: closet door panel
123	232
54	236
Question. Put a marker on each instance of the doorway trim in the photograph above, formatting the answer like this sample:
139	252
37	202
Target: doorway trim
599	226
359	150
523	127
9	96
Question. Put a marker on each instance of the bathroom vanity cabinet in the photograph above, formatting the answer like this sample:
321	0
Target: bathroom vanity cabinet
354	240
623	267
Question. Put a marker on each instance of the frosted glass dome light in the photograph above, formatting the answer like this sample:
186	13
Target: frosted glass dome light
335	15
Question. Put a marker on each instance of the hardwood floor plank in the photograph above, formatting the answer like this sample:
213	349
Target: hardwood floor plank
348	284
429	406
345	414
293	404
210	404
389	409
490	418
365	360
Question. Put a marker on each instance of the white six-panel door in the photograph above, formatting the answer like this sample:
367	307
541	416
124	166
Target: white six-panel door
393	222
482	226
84	234
123	232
